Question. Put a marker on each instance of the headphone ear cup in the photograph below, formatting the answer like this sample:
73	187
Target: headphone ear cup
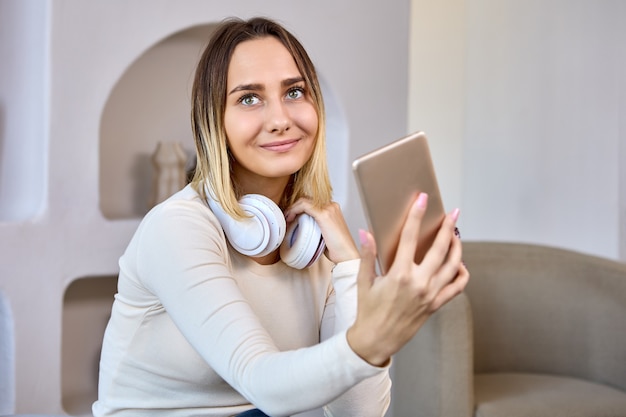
248	236
273	216
303	243
256	235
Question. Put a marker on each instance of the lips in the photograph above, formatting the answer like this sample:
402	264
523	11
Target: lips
281	145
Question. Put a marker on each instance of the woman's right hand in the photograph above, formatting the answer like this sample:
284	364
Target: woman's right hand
392	308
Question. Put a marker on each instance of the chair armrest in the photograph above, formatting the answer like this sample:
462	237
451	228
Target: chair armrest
433	374
547	310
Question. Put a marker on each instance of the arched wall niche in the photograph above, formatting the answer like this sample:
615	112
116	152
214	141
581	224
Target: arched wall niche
150	103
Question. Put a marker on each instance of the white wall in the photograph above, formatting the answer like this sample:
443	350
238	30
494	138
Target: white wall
524	104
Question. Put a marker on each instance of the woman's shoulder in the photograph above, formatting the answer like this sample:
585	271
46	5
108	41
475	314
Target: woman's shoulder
182	221
184	206
177	229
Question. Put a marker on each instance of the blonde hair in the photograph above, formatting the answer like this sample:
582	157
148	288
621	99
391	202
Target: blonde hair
213	166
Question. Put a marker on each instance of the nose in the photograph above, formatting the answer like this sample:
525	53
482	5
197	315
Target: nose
278	117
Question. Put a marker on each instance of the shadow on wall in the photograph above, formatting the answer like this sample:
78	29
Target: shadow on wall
7	356
142	174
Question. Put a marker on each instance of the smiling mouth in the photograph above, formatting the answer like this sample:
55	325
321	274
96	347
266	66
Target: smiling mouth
281	146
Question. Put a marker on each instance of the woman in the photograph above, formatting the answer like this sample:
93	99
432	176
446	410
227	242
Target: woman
199	328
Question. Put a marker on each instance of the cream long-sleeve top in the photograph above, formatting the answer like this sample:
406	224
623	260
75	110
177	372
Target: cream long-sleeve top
197	329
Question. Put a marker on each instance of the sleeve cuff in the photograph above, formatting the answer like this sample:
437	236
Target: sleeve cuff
357	362
346	268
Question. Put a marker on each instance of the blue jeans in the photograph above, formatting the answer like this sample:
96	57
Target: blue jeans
252	413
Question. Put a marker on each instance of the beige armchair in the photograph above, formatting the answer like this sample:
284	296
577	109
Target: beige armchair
538	332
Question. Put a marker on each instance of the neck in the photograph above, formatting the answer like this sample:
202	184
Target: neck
272	188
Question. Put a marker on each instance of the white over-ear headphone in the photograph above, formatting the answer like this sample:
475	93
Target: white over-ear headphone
264	231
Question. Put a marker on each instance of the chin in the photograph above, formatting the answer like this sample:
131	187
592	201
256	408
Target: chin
282	172
286	167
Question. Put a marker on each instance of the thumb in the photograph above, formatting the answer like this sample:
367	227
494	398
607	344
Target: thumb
367	270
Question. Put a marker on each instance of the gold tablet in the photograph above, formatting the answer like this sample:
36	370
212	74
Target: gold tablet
389	180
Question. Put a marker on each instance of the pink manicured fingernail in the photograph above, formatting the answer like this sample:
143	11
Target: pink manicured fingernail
422	199
455	214
363	237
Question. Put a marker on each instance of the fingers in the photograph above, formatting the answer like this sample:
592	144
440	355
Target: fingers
450	268
407	245
329	213
340	245
394	309
301	206
452	289
440	249
367	270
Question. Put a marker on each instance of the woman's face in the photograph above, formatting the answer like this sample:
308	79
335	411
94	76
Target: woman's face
270	119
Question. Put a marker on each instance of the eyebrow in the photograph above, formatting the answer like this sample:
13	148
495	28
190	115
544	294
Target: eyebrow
259	87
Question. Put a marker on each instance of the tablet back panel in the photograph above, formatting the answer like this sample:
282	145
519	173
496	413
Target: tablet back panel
389	180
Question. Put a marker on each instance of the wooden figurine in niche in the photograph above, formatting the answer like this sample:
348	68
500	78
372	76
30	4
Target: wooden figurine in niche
169	160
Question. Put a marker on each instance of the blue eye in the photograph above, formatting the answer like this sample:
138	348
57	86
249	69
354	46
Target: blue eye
249	100
295	93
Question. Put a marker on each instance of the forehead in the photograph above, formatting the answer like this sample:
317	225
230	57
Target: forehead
261	60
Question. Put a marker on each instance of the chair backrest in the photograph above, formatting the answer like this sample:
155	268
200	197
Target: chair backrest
547	310
7	358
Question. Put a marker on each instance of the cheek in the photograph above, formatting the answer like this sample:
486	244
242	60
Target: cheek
229	126
239	128
308	120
